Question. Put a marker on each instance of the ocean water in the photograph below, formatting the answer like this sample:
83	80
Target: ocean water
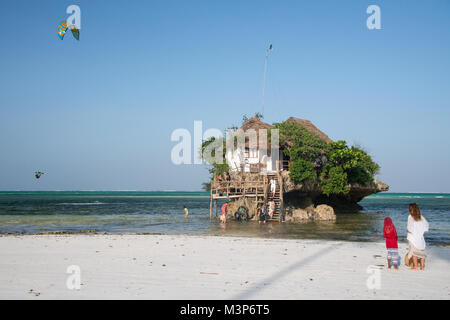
162	213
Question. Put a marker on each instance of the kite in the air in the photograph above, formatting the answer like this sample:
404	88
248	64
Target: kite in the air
75	32
38	174
62	29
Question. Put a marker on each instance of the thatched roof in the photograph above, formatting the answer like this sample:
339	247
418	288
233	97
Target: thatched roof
256	124
311	127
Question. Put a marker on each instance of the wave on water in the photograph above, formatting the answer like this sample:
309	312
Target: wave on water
408	196
411	197
81	203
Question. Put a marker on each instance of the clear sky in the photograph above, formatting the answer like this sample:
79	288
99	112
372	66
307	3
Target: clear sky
97	114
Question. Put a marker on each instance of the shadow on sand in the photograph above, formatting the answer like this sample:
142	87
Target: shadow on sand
265	283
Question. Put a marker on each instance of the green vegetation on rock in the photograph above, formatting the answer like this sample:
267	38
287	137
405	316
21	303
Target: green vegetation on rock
302	170
218	164
332	165
298	142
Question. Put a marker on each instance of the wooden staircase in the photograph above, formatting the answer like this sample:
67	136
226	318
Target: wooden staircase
278	215
277	198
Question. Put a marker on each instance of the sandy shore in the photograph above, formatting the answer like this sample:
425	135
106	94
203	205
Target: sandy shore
202	267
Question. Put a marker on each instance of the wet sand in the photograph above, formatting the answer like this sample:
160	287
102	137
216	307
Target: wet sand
210	267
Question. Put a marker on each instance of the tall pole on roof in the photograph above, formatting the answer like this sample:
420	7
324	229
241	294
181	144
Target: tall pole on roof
269	48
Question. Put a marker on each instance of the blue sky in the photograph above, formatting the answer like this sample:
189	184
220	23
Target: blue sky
97	114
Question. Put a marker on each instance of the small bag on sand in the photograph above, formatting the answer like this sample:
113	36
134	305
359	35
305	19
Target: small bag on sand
409	262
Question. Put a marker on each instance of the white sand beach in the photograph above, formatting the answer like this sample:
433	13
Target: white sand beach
208	267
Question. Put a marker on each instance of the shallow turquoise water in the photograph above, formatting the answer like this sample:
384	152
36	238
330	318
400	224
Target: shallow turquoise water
162	212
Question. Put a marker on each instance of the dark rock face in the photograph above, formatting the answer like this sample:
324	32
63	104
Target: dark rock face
349	202
298	195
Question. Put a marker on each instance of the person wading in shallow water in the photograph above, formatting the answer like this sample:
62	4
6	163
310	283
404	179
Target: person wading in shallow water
262	215
271	208
186	213
223	218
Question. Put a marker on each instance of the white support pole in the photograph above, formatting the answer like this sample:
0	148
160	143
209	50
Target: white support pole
265	75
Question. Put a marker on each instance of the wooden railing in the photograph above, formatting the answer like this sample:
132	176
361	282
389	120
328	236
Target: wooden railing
280	164
238	188
266	192
283	165
256	186
281	197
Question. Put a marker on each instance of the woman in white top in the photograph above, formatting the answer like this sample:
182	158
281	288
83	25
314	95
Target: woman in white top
417	226
273	187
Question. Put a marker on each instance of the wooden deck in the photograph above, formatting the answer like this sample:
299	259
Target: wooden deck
257	187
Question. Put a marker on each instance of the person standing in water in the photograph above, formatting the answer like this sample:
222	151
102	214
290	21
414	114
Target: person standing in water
271	208
186	212
262	215
223	218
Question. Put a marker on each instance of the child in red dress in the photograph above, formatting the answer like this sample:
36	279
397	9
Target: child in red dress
390	234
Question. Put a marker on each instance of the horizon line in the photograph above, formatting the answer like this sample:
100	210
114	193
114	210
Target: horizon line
384	192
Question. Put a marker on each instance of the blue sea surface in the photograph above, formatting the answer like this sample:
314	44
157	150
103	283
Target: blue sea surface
162	213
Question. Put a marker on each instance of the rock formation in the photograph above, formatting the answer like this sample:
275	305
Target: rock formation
305	195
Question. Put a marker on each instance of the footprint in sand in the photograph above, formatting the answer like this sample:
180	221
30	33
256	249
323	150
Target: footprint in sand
35	293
